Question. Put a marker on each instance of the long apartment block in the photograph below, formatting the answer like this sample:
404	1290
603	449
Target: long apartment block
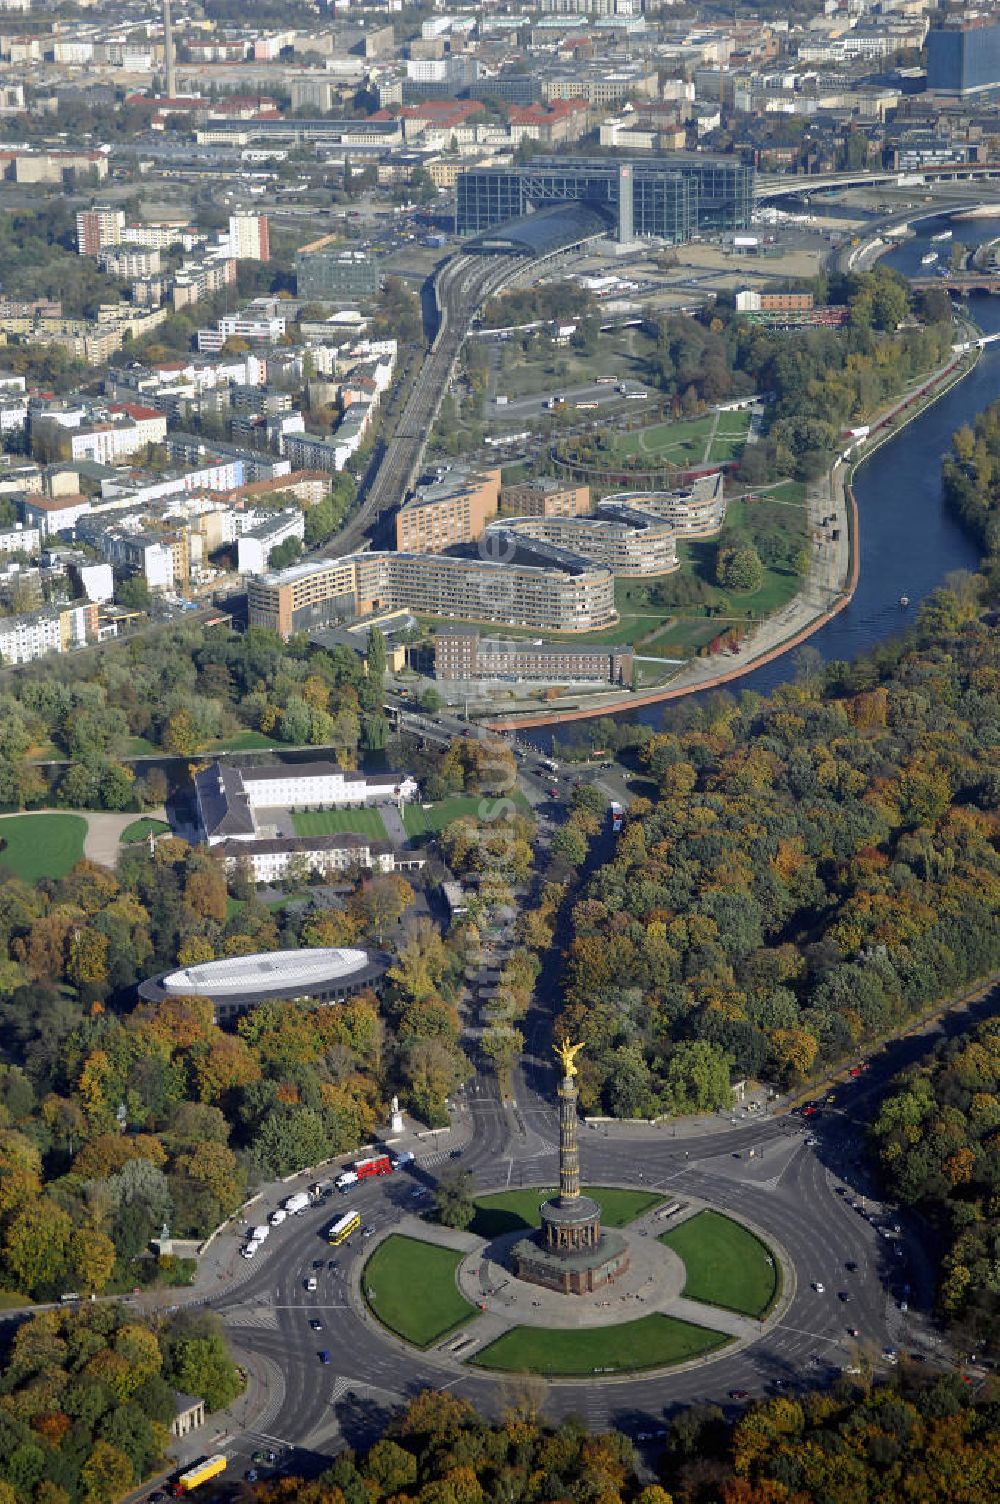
542	591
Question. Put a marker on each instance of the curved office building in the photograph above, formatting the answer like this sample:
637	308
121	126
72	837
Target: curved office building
236	983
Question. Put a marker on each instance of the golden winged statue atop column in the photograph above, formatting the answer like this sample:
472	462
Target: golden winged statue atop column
567	1054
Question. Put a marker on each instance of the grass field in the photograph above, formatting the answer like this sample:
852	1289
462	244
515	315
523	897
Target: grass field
541	369
726	1265
509	1211
650	1342
137	746
410	1286
41	845
427	822
689	442
243	741
139	830
331	822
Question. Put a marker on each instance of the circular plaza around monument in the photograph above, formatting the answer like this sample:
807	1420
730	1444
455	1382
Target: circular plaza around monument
575	1281
699	1284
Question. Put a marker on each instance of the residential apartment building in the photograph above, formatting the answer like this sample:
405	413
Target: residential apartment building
622	538
249	237
54	514
199	279
455	509
695	511
545	497
20	539
53	629
97	228
256	545
125	430
467	656
127	262
538	588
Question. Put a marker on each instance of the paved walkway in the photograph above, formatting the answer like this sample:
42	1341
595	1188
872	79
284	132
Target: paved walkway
102	842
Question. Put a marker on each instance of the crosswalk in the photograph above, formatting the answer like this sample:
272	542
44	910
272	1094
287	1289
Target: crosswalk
429	1161
261	1318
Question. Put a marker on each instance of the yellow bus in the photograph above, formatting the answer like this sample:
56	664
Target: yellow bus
200	1473
341	1230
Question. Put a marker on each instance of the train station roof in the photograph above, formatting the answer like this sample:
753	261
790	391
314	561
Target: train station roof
554	228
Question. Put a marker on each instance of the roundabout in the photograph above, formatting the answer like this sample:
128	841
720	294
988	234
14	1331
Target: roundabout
746	1191
540	1283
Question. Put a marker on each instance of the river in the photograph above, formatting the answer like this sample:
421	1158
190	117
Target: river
909	540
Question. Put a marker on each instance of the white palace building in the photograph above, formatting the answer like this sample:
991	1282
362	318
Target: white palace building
230	801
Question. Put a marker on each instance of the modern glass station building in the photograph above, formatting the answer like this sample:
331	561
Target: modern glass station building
672	197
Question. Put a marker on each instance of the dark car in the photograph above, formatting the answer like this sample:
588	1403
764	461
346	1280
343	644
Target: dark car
739	1394
843	1295
324	1356
851	1267
317	1326
251	1475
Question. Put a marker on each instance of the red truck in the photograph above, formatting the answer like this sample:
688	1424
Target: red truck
379	1164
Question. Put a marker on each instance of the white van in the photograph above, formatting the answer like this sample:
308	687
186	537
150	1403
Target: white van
251	1249
277	1217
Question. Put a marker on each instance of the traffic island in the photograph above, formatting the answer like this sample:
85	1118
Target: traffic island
632	1346
409	1286
727	1264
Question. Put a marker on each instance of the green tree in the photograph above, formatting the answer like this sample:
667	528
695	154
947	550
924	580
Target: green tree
35	1245
200	1364
106	1475
739	569
698	1077
376	655
133	593
454	1203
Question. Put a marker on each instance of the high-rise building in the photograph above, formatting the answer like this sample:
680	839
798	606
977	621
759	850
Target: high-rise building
671	197
98	227
963	55
249	237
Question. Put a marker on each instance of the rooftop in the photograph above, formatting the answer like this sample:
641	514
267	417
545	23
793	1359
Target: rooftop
265	969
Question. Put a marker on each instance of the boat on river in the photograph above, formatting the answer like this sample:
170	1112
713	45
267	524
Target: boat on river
941	235
929	259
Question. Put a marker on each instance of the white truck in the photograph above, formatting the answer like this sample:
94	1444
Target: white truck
346	1180
258	1234
297	1203
277	1216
